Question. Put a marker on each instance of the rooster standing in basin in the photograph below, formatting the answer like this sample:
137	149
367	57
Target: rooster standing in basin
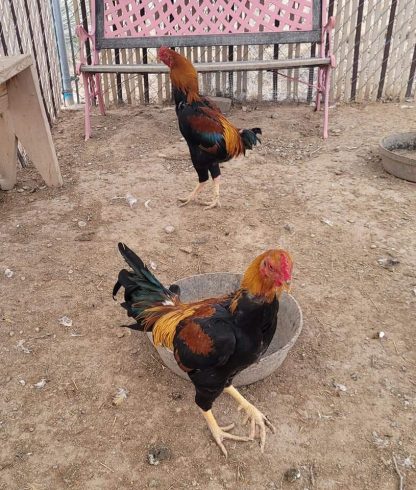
211	138
212	339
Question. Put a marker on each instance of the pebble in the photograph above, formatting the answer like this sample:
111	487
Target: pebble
37	329
121	334
186	250
292	475
8	273
340	387
11	333
289	227
65	321
158	454
169	229
82	224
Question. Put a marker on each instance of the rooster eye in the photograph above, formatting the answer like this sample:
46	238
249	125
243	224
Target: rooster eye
270	267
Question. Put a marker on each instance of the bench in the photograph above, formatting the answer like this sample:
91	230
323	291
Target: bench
119	24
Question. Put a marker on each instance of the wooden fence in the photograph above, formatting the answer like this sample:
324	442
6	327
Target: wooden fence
375	48
374	43
26	26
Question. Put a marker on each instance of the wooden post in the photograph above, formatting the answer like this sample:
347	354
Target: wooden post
8	145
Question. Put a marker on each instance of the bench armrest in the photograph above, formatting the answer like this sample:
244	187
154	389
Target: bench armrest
83	35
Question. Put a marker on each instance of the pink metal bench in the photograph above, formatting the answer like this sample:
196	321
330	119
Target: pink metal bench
118	24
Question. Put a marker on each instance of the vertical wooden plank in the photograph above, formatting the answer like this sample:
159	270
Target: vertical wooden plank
224	74
53	54
296	74
239	55
76	12
311	75
275	75
350	50
411	49
260	76
159	79
113	83
139	77
399	62
230	57
245	75
126	76
410	83
394	57
289	73
341	46
145	78
387	45
104	77
356	50
209	78
375	48
217	74
366	29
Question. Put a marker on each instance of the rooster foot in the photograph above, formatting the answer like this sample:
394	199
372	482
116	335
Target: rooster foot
192	195
221	433
258	421
184	201
214	204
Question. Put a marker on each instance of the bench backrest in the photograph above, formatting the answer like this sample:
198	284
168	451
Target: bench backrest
145	24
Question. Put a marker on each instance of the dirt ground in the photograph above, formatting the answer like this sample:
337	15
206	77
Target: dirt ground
343	401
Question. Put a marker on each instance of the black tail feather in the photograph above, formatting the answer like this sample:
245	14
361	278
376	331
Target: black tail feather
141	288
250	138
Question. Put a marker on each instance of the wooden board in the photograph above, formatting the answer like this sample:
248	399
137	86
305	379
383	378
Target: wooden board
10	66
211	67
31	126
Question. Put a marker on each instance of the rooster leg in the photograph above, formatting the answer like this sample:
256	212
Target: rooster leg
220	433
253	414
216	201
192	195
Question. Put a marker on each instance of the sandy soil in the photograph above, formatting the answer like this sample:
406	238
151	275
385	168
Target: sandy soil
343	402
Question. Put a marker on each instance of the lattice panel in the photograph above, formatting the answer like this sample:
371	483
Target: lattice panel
137	18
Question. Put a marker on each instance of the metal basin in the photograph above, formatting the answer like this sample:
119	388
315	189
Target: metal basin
402	166
289	325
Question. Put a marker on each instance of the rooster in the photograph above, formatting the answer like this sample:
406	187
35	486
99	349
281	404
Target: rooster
212	339
211	137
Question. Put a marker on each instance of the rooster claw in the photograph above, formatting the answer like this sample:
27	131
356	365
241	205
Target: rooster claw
212	205
184	202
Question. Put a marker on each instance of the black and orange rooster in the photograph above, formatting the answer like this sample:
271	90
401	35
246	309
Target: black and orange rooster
212	339
211	138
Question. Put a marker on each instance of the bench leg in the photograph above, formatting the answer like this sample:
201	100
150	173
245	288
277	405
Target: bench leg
327	85
319	91
99	92
31	126
8	153
88	104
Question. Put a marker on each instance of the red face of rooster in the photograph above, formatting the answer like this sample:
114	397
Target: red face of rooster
277	266
165	55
